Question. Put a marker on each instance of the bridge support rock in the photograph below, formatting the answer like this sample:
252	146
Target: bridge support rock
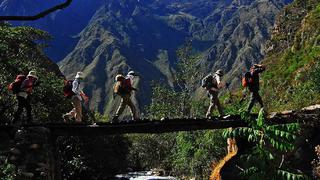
34	154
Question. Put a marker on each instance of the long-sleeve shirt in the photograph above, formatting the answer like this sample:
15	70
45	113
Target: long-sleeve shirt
77	89
26	87
255	85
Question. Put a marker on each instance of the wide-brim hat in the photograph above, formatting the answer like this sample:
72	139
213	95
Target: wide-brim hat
219	72
79	75
132	73
32	74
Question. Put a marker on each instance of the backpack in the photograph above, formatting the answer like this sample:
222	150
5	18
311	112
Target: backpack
247	79
67	88
119	87
15	86
208	82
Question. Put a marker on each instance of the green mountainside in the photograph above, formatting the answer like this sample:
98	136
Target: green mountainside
292	77
144	36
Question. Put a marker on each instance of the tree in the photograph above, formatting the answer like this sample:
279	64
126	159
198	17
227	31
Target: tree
37	16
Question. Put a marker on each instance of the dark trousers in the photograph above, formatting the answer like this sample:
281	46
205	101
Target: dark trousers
255	97
23	103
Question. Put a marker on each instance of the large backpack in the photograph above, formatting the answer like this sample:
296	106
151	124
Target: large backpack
15	86
67	89
209	82
247	79
119	87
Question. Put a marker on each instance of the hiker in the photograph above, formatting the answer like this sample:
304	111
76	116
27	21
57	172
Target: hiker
251	80
212	83
77	95
123	88
22	87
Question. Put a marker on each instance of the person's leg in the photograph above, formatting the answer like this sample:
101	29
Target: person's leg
251	103
259	99
216	102
132	108
211	107
29	110
77	105
21	104
120	109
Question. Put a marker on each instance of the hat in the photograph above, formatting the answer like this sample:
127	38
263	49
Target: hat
32	74
79	75
132	73
219	72
119	77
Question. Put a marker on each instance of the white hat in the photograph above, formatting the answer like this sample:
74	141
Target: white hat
132	73
79	75
220	72
32	74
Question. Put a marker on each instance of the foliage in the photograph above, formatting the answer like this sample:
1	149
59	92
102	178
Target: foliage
93	157
7	171
20	52
268	142
293	73
316	163
195	151
151	151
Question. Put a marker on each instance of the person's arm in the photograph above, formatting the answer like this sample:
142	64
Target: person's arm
220	84
75	87
259	68
129	85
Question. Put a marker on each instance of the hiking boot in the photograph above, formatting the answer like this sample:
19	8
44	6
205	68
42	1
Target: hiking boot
115	119
225	116
65	118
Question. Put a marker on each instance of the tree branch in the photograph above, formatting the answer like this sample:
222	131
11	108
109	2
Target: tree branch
37	16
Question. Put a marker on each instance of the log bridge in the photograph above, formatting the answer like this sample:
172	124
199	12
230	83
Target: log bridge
306	115
38	134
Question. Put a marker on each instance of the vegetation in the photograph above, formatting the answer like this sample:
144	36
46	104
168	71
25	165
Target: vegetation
291	81
292	78
270	142
20	52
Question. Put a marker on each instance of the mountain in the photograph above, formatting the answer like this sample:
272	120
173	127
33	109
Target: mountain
293	53
63	25
142	35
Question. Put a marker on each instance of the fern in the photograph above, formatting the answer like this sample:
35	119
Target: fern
268	140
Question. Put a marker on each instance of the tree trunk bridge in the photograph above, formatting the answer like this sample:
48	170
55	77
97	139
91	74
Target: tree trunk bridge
306	115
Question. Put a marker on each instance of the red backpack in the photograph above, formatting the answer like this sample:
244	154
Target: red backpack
67	88
15	86
247	79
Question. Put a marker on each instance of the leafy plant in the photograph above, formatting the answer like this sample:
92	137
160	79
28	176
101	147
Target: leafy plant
268	141
7	171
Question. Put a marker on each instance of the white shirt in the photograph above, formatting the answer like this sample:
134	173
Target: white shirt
77	88
218	80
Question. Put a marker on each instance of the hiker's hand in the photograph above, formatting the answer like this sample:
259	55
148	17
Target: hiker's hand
227	85
85	98
221	85
36	83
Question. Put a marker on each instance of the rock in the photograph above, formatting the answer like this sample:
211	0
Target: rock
15	151
34	146
13	158
42	165
312	108
272	115
287	112
28	174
